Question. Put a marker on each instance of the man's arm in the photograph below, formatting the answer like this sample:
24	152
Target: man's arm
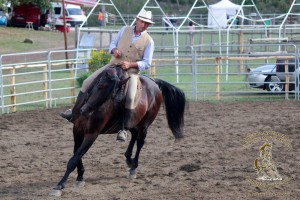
147	57
114	42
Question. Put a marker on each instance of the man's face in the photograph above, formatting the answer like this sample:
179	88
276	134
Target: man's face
141	25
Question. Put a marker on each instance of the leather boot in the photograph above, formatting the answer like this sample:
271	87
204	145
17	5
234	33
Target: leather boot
68	114
127	117
122	134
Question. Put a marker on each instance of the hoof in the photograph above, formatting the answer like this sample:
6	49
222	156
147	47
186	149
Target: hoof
79	184
131	174
56	193
128	164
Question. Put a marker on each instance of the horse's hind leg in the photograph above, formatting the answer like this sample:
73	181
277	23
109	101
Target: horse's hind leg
135	161
80	171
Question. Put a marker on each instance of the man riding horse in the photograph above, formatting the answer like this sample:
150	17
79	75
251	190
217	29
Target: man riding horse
132	49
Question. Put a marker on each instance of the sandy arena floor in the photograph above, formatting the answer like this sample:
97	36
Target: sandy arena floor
213	162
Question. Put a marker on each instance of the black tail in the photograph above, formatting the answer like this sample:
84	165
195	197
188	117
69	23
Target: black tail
174	101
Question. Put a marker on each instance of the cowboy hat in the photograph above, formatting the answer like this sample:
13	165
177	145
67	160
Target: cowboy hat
145	16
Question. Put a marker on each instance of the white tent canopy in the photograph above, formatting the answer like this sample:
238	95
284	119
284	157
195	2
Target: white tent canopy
220	12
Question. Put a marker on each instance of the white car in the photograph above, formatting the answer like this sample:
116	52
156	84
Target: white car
74	14
264	77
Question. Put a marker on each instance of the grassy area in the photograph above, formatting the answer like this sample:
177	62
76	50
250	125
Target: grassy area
11	40
202	83
198	84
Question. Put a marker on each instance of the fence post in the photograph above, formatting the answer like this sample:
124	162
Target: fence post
1	88
218	78
49	63
287	78
194	74
101	38
201	38
13	98
45	85
152	70
297	75
72	83
241	36
110	36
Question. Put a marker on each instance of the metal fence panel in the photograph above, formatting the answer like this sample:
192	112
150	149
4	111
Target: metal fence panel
49	79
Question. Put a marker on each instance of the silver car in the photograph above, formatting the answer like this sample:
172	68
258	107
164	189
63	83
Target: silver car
264	77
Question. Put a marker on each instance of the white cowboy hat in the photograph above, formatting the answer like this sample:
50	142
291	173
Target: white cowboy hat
145	16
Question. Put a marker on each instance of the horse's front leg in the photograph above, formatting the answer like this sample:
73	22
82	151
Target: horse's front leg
129	150
135	161
75	161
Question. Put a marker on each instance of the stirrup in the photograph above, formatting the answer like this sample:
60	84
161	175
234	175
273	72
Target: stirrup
67	114
122	135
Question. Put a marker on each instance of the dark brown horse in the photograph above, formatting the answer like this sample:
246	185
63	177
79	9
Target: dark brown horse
102	112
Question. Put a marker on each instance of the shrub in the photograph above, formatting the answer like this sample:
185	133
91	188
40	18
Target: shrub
81	78
98	60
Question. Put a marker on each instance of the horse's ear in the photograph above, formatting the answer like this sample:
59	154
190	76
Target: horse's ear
124	81
107	75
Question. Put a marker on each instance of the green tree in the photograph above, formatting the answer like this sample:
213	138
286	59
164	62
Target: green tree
40	3
268	6
133	6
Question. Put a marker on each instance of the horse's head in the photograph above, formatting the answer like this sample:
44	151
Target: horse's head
105	86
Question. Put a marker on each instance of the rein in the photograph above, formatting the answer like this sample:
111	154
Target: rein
108	93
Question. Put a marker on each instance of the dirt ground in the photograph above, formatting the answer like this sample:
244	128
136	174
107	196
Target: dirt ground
213	162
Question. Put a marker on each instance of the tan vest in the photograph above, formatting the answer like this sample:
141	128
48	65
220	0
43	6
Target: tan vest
131	52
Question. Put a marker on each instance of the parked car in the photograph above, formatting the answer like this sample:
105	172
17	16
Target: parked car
280	69
24	13
74	13
264	77
40	17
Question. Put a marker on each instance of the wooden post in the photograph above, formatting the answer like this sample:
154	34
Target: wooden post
218	78
72	83
287	78
13	99
267	47
152	70
45	85
65	32
284	35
